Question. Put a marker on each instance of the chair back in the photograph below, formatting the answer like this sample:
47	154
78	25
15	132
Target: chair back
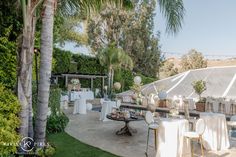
149	117
200	126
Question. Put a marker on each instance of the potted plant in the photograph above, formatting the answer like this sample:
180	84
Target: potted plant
199	87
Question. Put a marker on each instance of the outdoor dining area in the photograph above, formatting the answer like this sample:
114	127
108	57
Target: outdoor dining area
154	125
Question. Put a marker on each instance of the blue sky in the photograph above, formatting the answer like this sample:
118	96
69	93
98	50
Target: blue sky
209	27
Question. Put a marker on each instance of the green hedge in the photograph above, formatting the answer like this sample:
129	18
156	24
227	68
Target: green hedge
9	121
63	59
90	65
57	121
7	61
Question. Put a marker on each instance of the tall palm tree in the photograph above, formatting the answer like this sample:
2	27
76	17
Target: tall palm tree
114	58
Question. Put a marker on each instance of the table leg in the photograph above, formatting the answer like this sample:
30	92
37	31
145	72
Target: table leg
126	130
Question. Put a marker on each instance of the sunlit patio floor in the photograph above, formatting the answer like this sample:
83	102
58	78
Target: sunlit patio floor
90	130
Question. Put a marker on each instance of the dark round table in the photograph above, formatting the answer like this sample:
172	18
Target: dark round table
126	130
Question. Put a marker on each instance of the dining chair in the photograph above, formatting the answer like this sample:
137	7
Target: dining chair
197	134
152	125
231	124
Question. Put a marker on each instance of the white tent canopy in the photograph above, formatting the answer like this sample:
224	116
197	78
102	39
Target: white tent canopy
220	82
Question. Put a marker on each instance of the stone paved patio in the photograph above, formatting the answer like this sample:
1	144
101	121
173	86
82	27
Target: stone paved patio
88	129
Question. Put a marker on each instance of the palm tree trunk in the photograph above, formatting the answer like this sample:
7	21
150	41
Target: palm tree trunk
31	129
24	78
45	70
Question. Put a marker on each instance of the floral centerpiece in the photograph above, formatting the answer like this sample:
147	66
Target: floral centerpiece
75	82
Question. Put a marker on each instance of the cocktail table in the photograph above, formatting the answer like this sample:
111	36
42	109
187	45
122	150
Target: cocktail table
126	130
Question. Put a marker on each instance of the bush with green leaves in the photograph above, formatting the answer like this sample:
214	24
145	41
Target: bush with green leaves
9	121
7	60
47	151
57	121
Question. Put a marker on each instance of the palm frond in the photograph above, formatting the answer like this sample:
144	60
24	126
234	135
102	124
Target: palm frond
173	11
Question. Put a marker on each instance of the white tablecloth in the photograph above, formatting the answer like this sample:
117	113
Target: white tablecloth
81	94
106	109
171	142
80	106
215	136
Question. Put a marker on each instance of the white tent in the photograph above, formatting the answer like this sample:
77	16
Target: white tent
220	82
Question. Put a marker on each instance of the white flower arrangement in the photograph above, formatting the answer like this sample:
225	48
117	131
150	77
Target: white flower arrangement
75	81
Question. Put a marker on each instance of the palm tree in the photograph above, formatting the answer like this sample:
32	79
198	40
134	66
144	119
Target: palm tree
114	58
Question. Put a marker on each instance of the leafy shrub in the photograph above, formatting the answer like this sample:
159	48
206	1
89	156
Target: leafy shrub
9	121
47	151
7	60
56	123
54	100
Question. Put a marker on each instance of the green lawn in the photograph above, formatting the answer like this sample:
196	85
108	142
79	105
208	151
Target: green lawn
67	146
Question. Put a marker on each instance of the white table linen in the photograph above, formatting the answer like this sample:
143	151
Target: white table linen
80	106
106	109
215	136
81	94
171	142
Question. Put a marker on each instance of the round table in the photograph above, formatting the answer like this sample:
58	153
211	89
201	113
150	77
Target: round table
126	130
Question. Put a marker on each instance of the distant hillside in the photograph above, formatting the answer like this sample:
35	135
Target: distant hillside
210	62
222	62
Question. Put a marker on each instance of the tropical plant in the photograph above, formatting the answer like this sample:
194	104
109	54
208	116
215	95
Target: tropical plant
9	121
46	49
199	87
114	58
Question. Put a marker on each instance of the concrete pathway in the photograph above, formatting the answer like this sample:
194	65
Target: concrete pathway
88	129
